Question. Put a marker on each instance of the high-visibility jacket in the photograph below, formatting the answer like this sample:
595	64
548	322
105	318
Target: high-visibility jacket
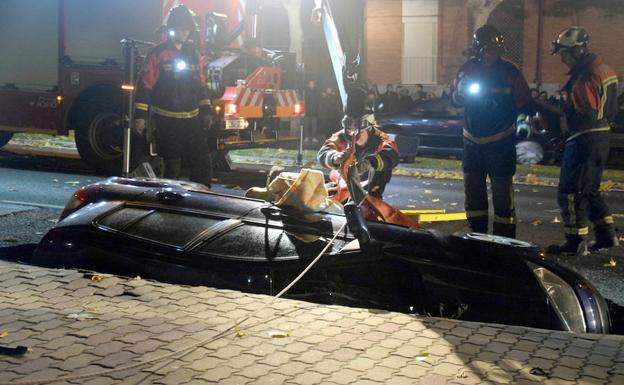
380	150
593	97
172	83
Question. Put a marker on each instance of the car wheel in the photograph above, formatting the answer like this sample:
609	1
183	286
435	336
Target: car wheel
5	137
408	159
99	139
479	243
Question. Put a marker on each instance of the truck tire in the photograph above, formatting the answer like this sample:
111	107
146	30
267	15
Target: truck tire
99	138
5	137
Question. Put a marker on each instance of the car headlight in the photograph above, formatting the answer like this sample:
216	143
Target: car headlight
562	297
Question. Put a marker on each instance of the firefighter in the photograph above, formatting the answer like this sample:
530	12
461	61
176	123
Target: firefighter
374	149
591	106
494	95
172	93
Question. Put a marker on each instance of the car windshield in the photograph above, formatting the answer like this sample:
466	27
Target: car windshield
436	108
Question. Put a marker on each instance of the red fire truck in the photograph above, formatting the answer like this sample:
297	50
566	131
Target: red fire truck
62	69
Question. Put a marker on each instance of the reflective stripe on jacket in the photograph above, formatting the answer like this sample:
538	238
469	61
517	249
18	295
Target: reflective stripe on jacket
593	97
172	83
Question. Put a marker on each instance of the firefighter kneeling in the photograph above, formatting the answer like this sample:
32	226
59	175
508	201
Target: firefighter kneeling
374	149
171	90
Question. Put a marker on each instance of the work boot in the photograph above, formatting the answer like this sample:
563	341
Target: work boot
604	242
571	246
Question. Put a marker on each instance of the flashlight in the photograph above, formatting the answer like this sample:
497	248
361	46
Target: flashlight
474	88
171	33
180	65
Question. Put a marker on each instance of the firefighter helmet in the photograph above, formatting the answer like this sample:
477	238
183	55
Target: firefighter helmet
569	38
181	17
487	37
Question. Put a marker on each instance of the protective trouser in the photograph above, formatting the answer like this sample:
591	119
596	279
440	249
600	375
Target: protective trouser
498	161
579	197
179	139
379	182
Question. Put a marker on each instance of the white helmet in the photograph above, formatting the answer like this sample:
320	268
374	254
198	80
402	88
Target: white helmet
569	38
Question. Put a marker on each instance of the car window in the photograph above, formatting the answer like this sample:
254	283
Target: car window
437	108
170	228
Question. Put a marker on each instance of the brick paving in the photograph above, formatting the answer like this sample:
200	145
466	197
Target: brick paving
104	329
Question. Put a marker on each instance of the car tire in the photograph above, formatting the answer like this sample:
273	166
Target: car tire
479	243
5	137
99	138
408	159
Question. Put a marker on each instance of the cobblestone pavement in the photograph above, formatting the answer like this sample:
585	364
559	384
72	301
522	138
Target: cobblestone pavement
102	329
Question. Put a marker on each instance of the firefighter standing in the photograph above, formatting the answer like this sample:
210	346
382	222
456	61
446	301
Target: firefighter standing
495	95
374	149
592	104
172	91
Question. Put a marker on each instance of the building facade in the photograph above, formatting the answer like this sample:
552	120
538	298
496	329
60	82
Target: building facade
422	41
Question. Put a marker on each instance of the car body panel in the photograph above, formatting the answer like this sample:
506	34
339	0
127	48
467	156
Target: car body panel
180	235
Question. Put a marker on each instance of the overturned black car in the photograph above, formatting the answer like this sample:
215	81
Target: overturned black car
180	232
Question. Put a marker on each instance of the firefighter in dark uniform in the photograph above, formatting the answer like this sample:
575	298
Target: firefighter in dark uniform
374	149
591	106
496	99
172	91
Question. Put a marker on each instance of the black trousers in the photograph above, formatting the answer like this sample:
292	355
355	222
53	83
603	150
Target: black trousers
178	139
579	198
498	161
379	182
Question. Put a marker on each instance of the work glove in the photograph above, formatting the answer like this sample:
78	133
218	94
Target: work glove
139	126
338	157
523	127
363	166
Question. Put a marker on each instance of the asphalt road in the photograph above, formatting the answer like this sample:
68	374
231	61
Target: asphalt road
33	192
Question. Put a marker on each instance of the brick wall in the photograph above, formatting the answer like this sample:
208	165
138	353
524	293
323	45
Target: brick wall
384	37
384	40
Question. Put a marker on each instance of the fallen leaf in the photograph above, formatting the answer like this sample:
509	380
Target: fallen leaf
535	190
556	220
90	308
422	356
537	222
55	180
3	334
538	372
278	334
517	190
612	263
411	206
96	278
428	192
137	278
532	179
454	204
607	186
237	332
435	200
461	374
9	240
621	238
81	316
74	182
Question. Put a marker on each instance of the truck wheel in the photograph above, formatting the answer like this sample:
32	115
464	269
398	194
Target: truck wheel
99	139
5	137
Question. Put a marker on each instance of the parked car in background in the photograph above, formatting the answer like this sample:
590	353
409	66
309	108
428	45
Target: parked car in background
182	233
439	126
